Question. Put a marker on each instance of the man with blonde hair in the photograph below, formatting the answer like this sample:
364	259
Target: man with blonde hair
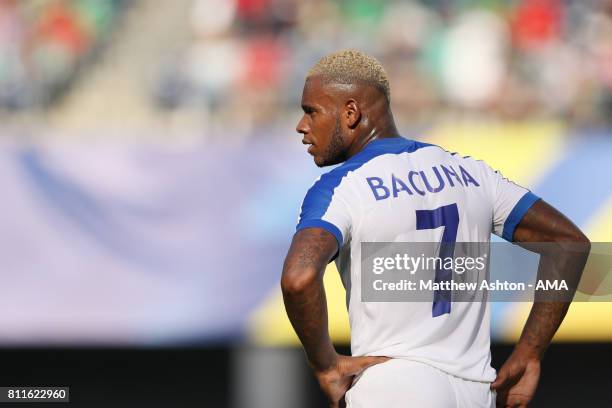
392	189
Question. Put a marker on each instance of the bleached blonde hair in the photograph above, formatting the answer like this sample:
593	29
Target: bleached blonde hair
352	66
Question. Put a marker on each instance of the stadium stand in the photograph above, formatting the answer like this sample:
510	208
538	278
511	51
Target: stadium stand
44	45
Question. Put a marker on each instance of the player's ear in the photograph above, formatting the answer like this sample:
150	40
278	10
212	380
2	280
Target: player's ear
352	113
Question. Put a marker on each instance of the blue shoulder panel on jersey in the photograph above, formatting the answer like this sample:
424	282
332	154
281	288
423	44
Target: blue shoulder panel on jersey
319	196
517	213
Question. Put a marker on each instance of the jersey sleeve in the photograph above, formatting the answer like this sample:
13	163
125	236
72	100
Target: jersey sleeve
510	203
325	206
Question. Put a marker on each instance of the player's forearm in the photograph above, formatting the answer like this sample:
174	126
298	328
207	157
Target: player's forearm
560	263
563	250
542	324
307	310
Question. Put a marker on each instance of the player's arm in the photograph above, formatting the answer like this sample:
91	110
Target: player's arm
304	296
563	255
563	250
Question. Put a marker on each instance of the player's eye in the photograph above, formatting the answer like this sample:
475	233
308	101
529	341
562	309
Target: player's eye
308	110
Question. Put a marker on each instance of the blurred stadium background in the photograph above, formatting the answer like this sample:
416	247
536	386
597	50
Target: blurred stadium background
151	177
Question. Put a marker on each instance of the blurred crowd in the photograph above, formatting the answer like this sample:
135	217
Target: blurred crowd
44	44
245	60
510	59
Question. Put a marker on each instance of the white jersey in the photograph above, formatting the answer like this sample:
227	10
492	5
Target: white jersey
374	197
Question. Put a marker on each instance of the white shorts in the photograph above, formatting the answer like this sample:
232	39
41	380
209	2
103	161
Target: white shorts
401	383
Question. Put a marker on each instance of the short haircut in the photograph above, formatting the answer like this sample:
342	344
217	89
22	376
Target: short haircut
350	67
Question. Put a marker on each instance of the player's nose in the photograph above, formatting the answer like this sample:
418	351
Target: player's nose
302	126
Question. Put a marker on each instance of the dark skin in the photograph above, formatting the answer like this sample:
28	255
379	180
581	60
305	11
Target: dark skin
339	120
304	296
518	378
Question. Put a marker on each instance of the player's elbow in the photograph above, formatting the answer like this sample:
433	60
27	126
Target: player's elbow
297	280
573	241
574	235
583	241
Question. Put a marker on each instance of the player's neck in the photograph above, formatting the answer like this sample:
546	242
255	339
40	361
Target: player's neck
375	132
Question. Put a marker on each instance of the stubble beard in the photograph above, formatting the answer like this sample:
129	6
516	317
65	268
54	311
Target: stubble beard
335	152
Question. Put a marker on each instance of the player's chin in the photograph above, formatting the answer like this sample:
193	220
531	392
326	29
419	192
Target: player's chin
324	161
320	161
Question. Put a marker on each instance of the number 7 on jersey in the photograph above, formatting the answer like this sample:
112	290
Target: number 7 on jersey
448	217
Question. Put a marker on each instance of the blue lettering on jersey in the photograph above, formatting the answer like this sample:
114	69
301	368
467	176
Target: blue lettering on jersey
467	178
450	172
428	186
416	179
378	186
398	185
411	175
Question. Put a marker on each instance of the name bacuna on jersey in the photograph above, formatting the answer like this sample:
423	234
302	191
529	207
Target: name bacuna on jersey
401	190
419	182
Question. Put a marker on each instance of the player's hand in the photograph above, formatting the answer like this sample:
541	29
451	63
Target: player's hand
517	380
337	380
